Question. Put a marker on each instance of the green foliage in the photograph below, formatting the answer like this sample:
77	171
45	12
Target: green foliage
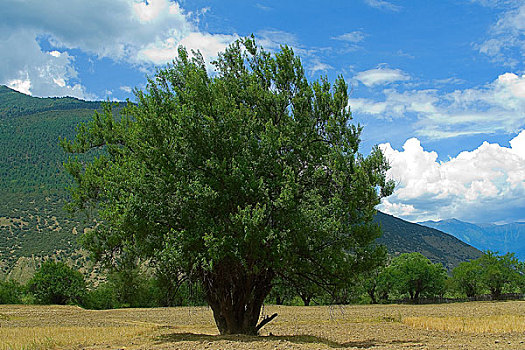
57	283
14	104
132	288
142	291
101	298
415	275
282	293
466	278
377	285
11	292
492	272
237	178
499	272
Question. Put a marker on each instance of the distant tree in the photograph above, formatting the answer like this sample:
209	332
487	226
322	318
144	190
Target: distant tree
57	283
243	175
377	284
498	272
415	275
132	286
282	293
467	278
102	297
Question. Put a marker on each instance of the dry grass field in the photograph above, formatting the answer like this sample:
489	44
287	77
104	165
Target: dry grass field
479	325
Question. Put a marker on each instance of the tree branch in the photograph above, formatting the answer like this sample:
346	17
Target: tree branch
265	320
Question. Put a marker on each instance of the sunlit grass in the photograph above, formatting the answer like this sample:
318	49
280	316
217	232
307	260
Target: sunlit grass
49	337
496	324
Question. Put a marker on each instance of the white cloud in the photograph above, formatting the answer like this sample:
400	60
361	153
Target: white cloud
486	184
496	107
126	89
209	45
23	86
382	5
353	37
397	104
316	65
381	76
273	39
506	40
26	68
133	31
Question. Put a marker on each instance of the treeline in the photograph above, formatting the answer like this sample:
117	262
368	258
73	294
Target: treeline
57	283
409	277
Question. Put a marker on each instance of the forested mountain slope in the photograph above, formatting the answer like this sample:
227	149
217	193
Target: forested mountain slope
33	223
32	179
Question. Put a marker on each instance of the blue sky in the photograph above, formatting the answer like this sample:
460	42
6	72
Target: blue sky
439	85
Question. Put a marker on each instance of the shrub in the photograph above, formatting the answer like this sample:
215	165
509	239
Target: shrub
10	292
57	283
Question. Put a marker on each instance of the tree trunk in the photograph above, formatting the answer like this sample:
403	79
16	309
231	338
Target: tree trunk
495	293
236	297
372	293
306	299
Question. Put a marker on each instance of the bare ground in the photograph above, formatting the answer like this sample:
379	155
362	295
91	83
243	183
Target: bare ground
476	325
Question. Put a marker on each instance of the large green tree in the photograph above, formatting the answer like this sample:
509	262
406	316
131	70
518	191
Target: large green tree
467	278
238	177
498	272
416	275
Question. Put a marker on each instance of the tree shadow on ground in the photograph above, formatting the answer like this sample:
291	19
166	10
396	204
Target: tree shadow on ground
296	339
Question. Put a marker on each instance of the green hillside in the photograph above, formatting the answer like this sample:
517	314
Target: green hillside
32	180
33	223
13	103
401	236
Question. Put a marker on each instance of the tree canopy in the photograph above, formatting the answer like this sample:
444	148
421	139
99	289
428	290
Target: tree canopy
57	283
236	177
416	275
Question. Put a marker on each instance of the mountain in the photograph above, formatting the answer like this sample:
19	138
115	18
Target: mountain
401	236
33	182
34	224
502	238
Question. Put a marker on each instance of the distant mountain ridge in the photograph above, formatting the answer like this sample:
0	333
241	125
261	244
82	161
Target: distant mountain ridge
33	223
502	238
401	236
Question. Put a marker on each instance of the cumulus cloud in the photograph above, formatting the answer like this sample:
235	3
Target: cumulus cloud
28	69
133	31
483	185
495	107
381	76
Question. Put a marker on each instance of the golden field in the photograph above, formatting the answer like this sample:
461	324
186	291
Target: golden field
475	325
